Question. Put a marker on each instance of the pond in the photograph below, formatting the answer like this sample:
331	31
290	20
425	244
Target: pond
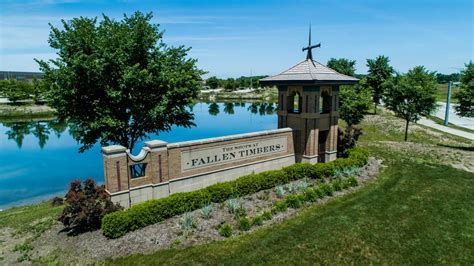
39	158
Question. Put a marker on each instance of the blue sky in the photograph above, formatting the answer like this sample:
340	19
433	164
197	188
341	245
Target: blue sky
233	38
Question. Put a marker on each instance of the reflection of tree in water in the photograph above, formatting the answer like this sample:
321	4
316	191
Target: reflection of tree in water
40	129
229	108
214	109
262	108
17	132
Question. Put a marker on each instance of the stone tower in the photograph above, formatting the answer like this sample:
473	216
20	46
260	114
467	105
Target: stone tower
308	103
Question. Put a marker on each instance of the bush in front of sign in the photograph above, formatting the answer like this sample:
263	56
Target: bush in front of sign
119	223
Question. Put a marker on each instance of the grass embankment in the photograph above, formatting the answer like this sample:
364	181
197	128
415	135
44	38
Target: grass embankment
266	94
18	111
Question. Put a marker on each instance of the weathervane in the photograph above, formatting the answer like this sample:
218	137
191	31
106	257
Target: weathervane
309	47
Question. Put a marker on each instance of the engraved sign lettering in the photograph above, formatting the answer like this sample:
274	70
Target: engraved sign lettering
198	158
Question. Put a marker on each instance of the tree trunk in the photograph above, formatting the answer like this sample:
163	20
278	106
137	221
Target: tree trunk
406	130
375	109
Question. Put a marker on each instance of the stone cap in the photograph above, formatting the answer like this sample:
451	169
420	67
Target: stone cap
153	144
229	137
113	149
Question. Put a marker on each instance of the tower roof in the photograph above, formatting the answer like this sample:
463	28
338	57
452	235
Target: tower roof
309	72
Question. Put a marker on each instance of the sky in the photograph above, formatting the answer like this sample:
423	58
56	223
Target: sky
237	38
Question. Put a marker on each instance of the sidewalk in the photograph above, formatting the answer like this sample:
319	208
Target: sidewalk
432	124
467	122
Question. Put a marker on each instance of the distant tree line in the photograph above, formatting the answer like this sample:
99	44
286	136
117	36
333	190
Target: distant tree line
19	90
232	84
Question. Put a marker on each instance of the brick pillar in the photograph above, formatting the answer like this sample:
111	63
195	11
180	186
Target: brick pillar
115	168
158	160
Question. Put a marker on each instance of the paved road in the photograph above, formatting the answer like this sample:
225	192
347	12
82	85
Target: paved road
457	132
453	117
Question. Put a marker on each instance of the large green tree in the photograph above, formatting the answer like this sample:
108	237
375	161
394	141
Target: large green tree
465	95
117	82
342	65
354	101
412	95
379	72
212	82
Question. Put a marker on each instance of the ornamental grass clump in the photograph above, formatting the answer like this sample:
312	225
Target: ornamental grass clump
292	188
293	201
303	185
245	224
225	230
266	215
232	205
280	191
257	220
187	222
206	212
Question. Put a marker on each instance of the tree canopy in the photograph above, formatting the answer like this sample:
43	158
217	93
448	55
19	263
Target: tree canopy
212	82
354	102
117	81
342	65
379	72
412	95
465	95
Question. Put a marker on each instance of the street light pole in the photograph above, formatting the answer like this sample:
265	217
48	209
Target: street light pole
448	100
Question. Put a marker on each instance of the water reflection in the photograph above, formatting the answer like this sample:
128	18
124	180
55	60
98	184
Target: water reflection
17	131
42	129
260	108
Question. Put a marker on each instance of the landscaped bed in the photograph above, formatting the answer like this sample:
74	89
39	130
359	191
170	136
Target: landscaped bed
250	212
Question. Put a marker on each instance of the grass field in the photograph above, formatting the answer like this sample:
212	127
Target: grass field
442	93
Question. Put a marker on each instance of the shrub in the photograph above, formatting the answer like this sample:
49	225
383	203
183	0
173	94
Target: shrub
220	192
187	222
298	171
310	195
319	192
86	204
345	183
225	230
293	201
240	212
257	220
206	212
336	184
232	205
352	181
117	224
56	201
244	224
279	207
267	215
326	189
280	191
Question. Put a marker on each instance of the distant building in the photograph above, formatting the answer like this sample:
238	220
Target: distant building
16	75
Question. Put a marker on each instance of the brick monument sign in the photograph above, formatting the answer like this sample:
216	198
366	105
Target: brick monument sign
307	132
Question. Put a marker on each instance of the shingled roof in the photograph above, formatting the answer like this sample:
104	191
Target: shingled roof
309	72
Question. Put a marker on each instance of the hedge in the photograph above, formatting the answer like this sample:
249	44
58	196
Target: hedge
119	223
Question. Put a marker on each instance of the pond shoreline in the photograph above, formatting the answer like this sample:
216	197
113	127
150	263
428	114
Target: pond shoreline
25	111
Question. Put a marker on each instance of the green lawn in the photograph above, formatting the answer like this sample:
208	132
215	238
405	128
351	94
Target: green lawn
416	213
31	218
442	93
